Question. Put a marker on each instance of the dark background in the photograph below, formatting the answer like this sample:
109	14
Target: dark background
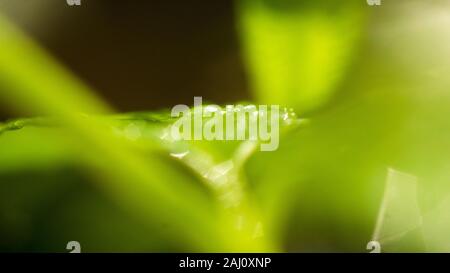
141	55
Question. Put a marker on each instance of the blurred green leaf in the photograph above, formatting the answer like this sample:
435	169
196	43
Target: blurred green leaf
298	51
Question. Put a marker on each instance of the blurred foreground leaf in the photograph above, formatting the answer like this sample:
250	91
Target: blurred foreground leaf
33	82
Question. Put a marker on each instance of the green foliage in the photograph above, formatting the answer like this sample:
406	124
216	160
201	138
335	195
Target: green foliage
116	183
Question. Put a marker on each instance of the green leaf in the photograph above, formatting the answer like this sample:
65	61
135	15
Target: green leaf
33	82
298	51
